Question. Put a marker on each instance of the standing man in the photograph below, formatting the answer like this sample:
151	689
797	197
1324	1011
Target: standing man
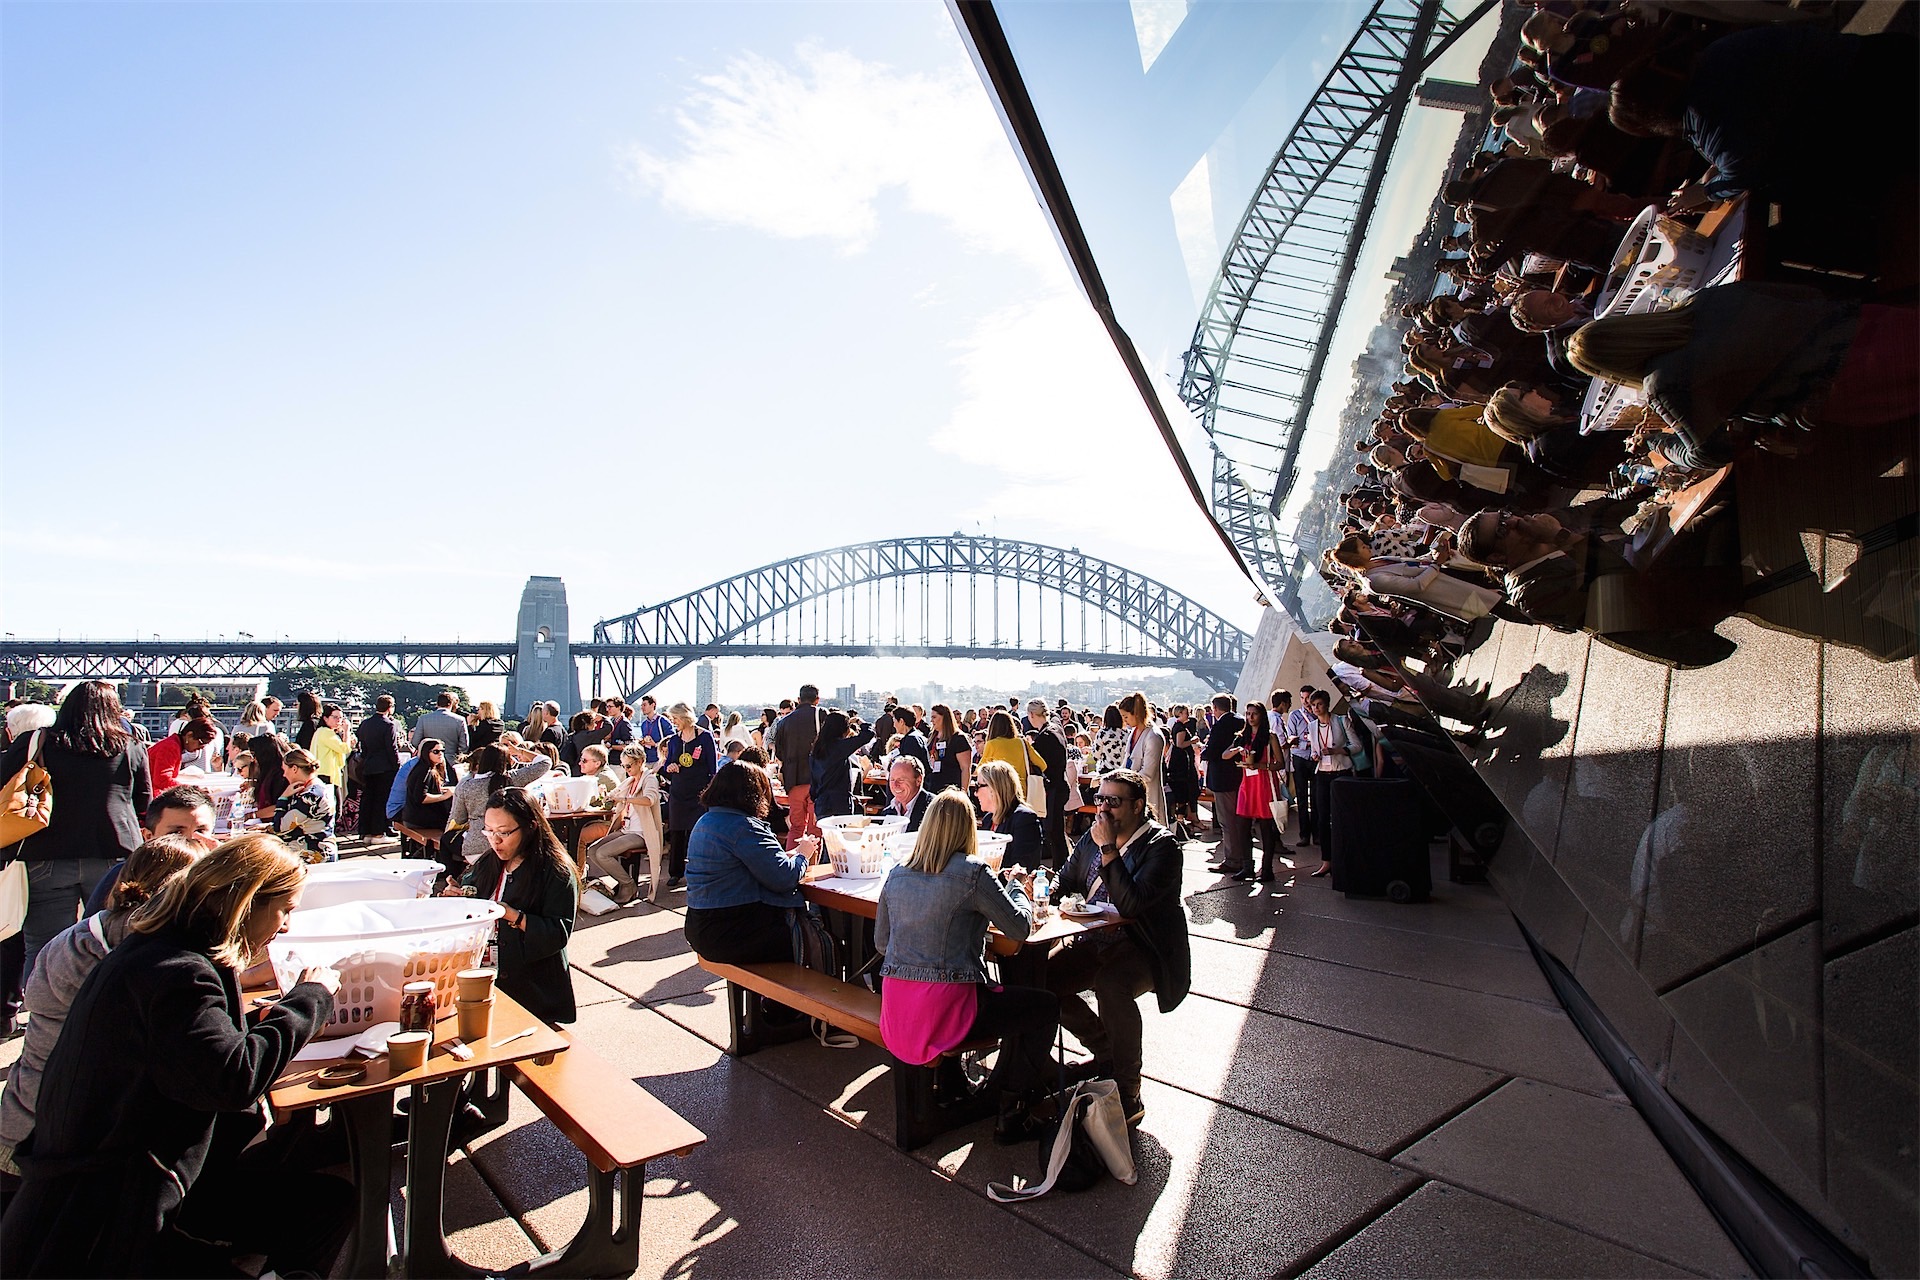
1133	862
710	719
1053	753
912	742
1302	762
619	727
443	723
654	728
379	762
1223	779
793	742
272	706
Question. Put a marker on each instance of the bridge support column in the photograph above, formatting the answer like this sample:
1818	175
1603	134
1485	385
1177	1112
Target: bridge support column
543	669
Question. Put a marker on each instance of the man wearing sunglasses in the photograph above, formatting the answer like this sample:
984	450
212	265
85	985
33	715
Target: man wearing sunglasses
1133	862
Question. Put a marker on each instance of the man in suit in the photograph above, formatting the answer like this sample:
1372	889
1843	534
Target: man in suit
442	723
906	777
1052	750
1235	853
1131	861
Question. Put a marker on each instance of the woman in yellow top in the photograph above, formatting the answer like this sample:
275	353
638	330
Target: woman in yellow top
1005	744
330	746
1462	447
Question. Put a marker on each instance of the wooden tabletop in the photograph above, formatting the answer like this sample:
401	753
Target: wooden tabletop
295	1090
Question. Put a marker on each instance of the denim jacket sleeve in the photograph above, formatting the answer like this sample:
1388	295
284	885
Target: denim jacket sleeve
771	865
1004	905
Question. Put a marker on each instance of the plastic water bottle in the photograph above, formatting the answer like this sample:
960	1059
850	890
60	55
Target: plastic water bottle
1042	890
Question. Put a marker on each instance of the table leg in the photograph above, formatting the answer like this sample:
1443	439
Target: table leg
368	1123
423	1248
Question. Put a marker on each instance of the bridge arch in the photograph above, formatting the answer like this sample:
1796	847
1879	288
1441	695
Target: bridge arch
749	613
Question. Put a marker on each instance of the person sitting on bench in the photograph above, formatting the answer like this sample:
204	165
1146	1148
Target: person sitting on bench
1133	862
740	882
934	993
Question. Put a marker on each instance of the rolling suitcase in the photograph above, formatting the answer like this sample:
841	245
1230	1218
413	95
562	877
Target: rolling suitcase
1380	839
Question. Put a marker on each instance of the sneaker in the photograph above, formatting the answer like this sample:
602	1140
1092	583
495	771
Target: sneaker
1136	1110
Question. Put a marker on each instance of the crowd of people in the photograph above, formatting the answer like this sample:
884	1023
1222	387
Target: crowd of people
1478	492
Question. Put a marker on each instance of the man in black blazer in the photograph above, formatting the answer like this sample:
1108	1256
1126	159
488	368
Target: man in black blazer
905	779
1235	853
1052	750
1133	862
912	742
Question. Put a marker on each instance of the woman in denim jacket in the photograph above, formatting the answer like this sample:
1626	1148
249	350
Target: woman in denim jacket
934	993
740	882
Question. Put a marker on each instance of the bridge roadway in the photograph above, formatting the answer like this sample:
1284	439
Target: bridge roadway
188	660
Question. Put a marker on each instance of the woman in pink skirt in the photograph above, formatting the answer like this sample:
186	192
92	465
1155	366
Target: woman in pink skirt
1258	754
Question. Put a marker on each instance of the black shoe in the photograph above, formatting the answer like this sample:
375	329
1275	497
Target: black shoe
1135	1110
1092	1069
1016	1122
1305	842
1241	875
1265	877
674	882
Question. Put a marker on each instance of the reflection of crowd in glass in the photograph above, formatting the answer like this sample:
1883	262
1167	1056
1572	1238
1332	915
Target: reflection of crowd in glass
1479	493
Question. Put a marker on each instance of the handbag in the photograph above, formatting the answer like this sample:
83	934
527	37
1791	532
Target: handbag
1089	1140
1037	793
26	803
13	898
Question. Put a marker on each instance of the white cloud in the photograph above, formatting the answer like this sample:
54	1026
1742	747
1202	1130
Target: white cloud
806	150
1154	22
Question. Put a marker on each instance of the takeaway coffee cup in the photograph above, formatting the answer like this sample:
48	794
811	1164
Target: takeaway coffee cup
475	984
476	1018
407	1050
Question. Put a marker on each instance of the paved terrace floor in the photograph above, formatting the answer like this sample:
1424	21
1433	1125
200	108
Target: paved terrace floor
1353	1089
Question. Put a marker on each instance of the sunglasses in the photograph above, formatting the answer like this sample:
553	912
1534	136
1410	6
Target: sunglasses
1107	802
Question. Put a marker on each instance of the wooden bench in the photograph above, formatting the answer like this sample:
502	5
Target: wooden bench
927	1100
618	1126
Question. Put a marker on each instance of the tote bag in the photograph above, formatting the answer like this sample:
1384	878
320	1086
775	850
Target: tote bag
26	802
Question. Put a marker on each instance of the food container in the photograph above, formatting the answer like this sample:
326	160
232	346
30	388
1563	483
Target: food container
476	1019
992	847
379	947
838	833
368	880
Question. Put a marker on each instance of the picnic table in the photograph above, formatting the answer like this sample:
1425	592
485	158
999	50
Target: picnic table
365	1108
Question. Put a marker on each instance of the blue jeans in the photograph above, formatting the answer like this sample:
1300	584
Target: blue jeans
56	890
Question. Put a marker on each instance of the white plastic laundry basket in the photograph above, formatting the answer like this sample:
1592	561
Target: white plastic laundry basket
379	947
368	880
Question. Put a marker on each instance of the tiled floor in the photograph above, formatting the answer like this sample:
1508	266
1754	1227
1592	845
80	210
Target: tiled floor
1353	1088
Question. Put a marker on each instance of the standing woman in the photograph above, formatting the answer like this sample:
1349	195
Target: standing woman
253	720
330	748
101	789
1110	743
934	994
379	740
1333	751
1183	771
135	1161
309	708
833	749
487	729
1146	752
949	752
528	871
1258	755
539	728
691	758
429	799
1005	744
998	789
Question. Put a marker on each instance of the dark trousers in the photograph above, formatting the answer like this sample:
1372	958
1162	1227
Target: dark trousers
1271	845
754	933
1023	1020
1236	841
677	854
1304	798
1053	828
1323	810
375	788
247	1206
1118	974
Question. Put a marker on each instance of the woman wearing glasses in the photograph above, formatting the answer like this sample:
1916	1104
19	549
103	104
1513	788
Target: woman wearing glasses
429	799
527	871
998	789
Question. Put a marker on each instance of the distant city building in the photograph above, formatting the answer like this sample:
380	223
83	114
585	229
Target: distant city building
846	696
706	684
1450	95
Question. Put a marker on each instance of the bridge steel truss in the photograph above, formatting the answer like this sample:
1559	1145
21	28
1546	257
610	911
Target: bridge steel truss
1261	345
189	660
845	600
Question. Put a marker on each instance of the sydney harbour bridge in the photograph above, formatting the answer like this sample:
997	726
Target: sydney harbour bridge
950	596
1250	378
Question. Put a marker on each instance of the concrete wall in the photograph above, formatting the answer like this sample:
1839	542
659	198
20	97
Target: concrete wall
1728	860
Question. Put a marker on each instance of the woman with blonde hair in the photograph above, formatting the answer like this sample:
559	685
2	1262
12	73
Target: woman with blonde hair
998	788
1759	353
135	1161
486	727
1146	751
689	760
934	994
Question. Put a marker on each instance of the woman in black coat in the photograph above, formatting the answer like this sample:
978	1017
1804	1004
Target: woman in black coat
688	763
997	787
541	897
309	719
154	1088
833	749
100	789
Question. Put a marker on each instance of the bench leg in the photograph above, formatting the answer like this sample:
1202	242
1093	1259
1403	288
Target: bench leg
424	1250
928	1101
368	1122
601	1247
747	1028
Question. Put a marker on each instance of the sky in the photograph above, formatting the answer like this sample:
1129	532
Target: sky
341	321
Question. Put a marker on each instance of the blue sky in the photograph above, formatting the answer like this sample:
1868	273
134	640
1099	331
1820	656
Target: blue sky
344	319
